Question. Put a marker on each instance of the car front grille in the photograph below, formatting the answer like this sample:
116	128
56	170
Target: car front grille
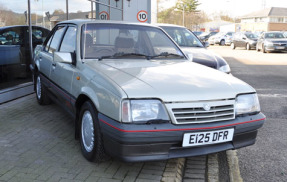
276	44
202	112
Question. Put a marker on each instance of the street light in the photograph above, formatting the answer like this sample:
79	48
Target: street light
183	11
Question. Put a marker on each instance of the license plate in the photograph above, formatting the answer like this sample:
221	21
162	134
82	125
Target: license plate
209	137
280	47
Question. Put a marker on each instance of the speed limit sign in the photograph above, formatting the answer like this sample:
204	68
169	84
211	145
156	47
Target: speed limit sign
142	16
104	15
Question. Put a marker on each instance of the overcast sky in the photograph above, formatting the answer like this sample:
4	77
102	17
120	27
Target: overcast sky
229	7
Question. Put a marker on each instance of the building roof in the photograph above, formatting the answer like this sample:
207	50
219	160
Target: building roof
62	17
268	12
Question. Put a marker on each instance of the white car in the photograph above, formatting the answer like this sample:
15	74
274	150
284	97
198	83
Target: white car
222	38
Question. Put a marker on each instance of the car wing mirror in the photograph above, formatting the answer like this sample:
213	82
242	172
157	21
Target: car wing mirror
206	44
189	56
63	57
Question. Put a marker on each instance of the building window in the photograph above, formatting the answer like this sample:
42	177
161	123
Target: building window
277	19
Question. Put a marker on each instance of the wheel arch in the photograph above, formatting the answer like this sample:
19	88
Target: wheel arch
82	98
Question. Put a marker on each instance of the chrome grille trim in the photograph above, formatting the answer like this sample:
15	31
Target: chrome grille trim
188	113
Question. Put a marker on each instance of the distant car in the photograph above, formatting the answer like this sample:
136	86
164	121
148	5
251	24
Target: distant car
222	38
190	44
205	35
272	41
14	48
244	39
285	34
197	33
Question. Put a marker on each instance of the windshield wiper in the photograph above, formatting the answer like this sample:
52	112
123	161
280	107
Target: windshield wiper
166	54
122	54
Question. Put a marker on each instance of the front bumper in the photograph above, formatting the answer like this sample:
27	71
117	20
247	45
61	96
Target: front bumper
134	142
276	48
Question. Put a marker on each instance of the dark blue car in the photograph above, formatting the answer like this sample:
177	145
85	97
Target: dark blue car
15	53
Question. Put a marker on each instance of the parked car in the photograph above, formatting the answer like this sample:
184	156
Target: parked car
190	44
14	49
271	41
134	95
285	34
222	38
205	35
244	39
197	33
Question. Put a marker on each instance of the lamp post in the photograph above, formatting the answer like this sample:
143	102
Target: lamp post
183	6
183	12
67	9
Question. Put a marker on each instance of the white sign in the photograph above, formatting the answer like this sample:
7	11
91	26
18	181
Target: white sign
142	16
104	15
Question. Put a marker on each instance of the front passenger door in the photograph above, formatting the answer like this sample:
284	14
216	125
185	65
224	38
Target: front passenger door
62	71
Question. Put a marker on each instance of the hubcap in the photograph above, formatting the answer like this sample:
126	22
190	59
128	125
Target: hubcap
87	131
38	87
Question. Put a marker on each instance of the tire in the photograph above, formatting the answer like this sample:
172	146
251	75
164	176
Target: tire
41	92
248	47
263	49
232	46
257	48
90	134
222	42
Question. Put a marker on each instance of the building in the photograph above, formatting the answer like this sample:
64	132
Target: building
213	26
270	19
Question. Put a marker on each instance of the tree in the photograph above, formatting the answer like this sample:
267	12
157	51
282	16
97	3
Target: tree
187	5
193	17
58	12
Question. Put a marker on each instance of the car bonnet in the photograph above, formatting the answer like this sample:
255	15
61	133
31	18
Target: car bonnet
172	81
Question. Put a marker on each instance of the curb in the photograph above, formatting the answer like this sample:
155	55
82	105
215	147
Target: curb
234	171
173	171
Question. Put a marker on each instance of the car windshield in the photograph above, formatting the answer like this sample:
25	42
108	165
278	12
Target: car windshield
183	37
273	35
118	41
251	36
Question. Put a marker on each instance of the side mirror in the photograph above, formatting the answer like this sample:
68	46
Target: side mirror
189	56
63	57
244	38
206	44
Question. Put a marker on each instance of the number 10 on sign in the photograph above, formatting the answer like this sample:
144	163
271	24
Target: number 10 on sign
142	16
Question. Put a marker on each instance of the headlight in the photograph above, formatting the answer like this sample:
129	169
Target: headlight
225	69
268	43
143	111
247	104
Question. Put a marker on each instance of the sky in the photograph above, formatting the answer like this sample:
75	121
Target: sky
234	8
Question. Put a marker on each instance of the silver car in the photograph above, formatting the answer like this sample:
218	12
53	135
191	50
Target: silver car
135	96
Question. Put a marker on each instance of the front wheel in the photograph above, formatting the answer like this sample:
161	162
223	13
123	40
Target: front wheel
222	42
257	48
248	47
90	133
41	92
232	46
263	49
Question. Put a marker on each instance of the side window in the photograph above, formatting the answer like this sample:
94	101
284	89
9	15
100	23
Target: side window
55	40
69	41
11	38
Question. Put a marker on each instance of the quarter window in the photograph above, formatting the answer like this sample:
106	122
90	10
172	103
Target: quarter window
69	41
54	40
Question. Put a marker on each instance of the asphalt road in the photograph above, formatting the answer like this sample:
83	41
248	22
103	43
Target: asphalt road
265	161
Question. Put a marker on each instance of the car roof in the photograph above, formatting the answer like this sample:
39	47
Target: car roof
80	22
19	26
168	25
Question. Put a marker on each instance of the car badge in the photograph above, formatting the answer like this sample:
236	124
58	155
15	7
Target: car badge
206	107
